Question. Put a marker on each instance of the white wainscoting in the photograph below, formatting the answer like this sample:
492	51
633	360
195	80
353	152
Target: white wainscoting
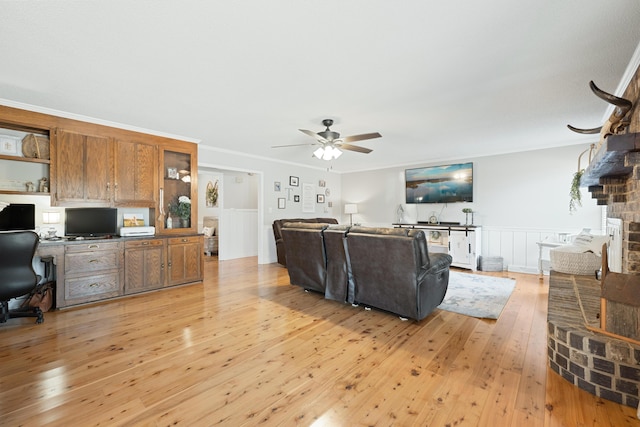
238	234
517	246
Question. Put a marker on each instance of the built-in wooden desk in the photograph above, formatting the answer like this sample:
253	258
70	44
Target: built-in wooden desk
95	270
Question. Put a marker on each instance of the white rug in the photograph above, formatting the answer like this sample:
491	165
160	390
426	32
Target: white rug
477	296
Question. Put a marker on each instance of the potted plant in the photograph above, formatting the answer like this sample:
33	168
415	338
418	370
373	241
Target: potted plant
468	211
182	209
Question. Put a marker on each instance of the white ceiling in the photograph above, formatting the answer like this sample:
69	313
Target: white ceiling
439	80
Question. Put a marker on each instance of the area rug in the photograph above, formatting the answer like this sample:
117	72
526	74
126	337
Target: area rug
477	296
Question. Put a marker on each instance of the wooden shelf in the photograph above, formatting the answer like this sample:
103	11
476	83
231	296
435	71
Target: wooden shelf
609	159
24	193
24	159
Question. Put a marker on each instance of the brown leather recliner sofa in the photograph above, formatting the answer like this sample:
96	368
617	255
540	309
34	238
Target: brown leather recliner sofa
277	233
385	268
393	270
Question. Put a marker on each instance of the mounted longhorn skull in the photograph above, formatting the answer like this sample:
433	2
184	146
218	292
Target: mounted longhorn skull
617	122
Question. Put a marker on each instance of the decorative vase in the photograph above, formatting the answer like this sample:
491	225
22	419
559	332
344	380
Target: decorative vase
169	223
185	222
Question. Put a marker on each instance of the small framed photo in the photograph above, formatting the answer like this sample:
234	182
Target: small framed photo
330	204
8	145
172	173
276	186
293	181
322	183
281	202
133	220
296	198
319	198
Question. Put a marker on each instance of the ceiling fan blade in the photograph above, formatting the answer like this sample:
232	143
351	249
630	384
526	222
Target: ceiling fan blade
294	145
354	148
362	137
313	134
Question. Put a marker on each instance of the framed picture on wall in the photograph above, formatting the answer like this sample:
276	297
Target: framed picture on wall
296	198
320	198
293	181
281	203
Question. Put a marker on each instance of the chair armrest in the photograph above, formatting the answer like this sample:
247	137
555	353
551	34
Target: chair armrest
439	261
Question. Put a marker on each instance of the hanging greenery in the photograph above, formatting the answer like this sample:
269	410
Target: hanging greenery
575	195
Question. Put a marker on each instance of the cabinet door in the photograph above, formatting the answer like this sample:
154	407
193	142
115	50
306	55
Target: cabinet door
459	248
81	169
185	260
136	166
144	266
178	179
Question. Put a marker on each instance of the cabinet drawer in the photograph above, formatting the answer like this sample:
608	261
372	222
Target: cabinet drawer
91	288
85	262
185	239
143	243
92	246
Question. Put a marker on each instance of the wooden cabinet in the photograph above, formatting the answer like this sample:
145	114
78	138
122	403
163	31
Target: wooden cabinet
98	270
92	272
136	173
185	259
81	169
144	265
178	178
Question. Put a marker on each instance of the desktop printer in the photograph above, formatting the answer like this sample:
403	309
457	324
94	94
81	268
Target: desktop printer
137	231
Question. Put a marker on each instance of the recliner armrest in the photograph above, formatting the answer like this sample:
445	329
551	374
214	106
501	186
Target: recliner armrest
439	261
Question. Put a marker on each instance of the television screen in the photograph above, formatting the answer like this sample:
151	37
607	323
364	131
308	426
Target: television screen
440	184
91	222
18	217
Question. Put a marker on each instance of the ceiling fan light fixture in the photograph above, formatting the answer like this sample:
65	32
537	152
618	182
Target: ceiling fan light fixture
327	153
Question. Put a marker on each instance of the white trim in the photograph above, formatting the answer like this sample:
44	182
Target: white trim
630	71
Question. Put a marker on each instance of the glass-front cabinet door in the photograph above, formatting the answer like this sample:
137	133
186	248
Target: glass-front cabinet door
177	209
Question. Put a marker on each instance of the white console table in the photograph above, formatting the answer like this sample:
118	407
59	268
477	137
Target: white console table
543	263
462	242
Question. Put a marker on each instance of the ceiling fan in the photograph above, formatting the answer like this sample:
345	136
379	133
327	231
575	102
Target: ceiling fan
331	143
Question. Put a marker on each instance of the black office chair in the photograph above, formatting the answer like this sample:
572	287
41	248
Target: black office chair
17	277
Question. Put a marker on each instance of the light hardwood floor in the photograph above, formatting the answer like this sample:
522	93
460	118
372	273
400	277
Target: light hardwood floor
246	348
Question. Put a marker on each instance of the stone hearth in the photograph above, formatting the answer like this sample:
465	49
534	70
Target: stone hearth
603	366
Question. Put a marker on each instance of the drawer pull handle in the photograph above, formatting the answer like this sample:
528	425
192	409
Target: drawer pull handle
94	285
145	243
93	260
185	240
93	246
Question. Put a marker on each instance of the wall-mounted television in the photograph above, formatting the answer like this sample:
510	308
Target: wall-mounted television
91	222
439	184
18	216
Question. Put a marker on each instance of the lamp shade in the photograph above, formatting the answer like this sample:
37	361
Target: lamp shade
350	208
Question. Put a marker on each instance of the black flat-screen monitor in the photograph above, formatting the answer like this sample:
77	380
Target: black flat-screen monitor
91	222
440	184
18	217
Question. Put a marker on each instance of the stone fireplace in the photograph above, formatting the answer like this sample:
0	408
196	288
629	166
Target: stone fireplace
613	179
600	363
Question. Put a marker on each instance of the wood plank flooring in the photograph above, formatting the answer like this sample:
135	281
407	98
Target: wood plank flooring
245	348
